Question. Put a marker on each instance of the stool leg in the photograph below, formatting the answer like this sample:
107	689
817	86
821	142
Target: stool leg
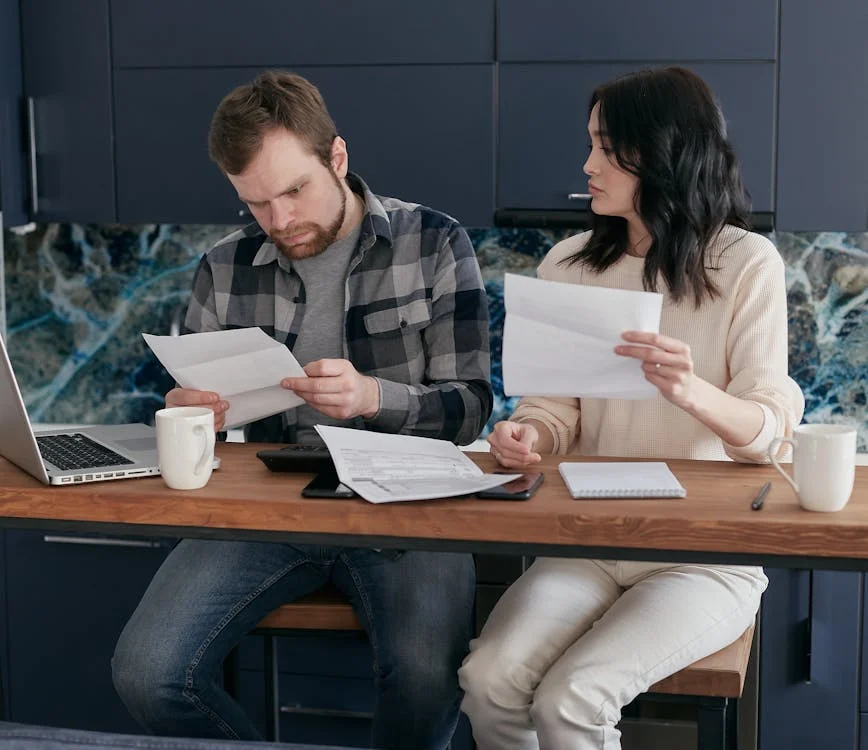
231	673
712	726
272	692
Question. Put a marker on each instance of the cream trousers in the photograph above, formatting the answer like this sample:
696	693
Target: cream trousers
573	641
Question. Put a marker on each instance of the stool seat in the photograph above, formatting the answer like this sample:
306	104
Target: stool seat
719	675
326	609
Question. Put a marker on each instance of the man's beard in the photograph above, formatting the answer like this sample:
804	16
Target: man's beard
322	236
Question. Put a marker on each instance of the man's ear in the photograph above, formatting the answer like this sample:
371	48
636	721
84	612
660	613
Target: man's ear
340	158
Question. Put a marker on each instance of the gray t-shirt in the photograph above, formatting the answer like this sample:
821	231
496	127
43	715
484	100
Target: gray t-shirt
321	335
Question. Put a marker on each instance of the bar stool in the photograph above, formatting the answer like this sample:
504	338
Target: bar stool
714	683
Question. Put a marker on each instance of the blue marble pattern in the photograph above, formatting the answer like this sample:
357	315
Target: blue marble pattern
78	297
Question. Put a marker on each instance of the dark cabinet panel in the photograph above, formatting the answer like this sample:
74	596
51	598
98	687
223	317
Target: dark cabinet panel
263	33
67	77
548	30
864	691
809	678
13	180
67	602
823	116
420	133
543	127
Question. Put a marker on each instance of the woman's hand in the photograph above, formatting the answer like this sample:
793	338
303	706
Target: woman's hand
512	444
666	363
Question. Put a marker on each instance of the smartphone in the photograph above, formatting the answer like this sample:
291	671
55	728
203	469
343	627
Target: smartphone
326	484
518	489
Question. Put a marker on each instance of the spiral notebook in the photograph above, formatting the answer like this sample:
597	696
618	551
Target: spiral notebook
620	479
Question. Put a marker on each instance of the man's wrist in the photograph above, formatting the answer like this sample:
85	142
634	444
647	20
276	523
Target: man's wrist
372	397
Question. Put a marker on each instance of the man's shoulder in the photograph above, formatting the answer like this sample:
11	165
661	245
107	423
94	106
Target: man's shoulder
238	247
404	215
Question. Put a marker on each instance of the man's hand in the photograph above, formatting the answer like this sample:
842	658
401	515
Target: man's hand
190	397
335	388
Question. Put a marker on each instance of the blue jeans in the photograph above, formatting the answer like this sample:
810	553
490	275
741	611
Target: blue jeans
417	609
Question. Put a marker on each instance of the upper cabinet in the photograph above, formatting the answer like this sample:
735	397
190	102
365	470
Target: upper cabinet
475	108
620	30
411	95
554	53
823	116
67	83
12	141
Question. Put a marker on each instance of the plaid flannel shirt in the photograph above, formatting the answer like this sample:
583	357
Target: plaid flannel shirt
416	316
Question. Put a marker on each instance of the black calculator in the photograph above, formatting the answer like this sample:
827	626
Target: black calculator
300	458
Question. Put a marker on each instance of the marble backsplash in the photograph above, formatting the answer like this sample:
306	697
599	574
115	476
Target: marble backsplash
78	296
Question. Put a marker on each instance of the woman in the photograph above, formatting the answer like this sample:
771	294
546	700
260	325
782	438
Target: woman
573	641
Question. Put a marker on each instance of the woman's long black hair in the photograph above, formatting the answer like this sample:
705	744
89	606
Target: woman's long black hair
665	127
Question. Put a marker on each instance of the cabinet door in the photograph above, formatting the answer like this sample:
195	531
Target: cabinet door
823	116
548	30
264	33
67	77
543	127
68	598
13	181
420	133
809	665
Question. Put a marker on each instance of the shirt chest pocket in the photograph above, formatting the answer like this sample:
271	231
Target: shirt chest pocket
411	317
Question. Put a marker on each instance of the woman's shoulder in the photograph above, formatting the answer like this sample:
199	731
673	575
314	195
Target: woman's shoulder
738	249
553	266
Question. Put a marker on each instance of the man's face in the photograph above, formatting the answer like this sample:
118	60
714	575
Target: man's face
296	199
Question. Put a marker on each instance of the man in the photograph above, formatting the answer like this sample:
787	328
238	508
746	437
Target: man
383	303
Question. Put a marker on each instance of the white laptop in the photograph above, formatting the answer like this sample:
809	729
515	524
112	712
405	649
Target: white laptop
90	454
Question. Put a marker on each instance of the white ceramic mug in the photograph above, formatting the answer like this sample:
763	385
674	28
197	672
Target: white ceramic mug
185	446
824	459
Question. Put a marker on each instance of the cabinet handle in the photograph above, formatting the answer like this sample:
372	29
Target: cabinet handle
578	196
93	541
807	632
332	712
31	142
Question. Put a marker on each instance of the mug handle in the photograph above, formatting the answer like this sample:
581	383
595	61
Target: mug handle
773	448
204	458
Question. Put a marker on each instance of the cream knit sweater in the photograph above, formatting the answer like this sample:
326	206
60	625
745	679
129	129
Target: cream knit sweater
738	342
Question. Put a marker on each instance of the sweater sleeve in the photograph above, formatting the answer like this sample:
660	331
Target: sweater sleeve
756	350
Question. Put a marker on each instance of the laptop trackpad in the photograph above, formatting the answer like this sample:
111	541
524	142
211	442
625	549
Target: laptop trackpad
136	445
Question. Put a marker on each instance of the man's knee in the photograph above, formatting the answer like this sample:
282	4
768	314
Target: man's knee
146	679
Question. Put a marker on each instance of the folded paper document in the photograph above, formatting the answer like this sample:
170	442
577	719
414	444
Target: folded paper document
559	339
387	468
244	365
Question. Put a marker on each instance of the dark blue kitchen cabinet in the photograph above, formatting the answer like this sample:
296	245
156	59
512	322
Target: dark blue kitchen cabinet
67	600
67	82
421	133
620	30
543	134
822	176
266	33
13	182
810	637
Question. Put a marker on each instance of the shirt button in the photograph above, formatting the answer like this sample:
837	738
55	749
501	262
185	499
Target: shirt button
403	324
296	300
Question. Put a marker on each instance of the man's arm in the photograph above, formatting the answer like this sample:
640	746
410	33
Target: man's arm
455	399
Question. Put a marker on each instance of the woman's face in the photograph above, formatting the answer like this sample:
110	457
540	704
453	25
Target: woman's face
613	190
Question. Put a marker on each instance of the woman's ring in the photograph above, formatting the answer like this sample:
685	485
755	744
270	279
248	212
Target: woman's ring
657	366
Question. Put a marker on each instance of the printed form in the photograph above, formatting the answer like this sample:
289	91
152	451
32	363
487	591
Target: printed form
388	468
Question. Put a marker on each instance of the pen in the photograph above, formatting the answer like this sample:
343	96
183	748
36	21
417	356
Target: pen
757	503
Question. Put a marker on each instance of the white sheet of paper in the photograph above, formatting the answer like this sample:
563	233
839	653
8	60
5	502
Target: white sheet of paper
558	339
388	468
244	365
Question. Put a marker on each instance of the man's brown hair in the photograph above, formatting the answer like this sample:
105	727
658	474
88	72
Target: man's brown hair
274	99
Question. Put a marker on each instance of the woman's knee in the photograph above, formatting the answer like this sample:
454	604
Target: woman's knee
491	680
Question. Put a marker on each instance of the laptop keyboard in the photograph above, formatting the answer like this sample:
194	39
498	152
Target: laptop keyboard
77	451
